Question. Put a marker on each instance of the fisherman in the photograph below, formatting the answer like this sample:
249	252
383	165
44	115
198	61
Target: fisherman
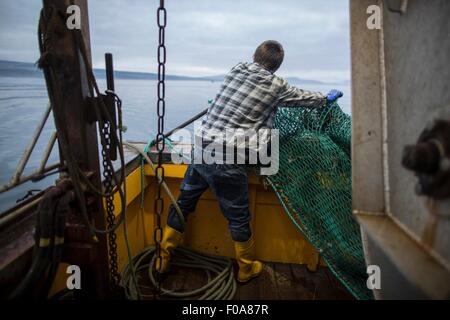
248	99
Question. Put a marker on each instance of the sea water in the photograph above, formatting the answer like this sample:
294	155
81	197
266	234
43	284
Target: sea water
23	101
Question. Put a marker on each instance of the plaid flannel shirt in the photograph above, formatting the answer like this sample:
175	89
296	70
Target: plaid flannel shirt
248	99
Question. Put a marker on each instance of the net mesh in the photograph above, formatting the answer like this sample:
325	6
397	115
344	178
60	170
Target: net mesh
314	185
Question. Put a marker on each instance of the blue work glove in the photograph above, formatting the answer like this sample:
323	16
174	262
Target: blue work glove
333	95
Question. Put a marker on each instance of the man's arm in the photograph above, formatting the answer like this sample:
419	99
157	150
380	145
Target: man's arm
293	96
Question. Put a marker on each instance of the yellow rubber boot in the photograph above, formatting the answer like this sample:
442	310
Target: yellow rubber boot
248	267
171	239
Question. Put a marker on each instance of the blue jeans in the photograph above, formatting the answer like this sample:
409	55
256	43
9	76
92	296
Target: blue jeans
230	185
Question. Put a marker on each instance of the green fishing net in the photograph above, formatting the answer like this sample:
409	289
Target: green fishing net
314	185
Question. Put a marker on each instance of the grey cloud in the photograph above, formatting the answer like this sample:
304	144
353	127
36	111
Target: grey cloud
203	36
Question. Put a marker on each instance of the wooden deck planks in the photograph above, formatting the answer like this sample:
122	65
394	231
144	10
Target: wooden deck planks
277	281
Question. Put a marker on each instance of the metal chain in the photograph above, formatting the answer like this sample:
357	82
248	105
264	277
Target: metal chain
108	172
160	141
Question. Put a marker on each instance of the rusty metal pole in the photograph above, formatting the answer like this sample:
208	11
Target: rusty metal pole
82	138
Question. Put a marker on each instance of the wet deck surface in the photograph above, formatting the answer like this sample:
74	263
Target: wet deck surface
288	281
278	281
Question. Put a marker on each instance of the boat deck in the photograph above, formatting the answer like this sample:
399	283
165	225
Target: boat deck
278	281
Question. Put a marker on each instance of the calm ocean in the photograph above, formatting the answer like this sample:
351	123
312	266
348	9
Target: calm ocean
23	101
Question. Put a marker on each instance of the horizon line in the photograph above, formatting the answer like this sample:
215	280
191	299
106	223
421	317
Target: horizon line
195	77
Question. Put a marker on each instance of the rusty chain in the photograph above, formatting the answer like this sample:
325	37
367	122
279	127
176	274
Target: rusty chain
108	172
160	141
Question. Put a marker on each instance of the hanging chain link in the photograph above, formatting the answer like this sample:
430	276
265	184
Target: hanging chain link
160	139
108	172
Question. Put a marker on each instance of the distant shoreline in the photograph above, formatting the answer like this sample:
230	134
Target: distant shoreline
28	69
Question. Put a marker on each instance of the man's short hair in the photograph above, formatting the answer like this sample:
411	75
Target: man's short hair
269	54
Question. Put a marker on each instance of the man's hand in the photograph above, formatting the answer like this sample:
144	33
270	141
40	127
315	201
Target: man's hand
333	95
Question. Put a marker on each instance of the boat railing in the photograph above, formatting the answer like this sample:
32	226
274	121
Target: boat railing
43	170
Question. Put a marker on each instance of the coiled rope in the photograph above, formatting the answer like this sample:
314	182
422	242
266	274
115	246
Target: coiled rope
220	285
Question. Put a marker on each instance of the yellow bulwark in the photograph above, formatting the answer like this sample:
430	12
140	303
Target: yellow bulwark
276	238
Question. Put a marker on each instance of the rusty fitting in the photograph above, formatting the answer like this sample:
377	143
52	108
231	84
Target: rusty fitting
429	158
421	157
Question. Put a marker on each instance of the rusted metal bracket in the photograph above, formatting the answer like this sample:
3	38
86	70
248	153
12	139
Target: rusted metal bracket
96	114
429	158
91	114
91	117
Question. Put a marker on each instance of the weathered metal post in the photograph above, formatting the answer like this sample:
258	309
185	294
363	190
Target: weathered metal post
82	137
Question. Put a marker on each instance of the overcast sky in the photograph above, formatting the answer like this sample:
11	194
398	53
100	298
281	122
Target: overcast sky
204	37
